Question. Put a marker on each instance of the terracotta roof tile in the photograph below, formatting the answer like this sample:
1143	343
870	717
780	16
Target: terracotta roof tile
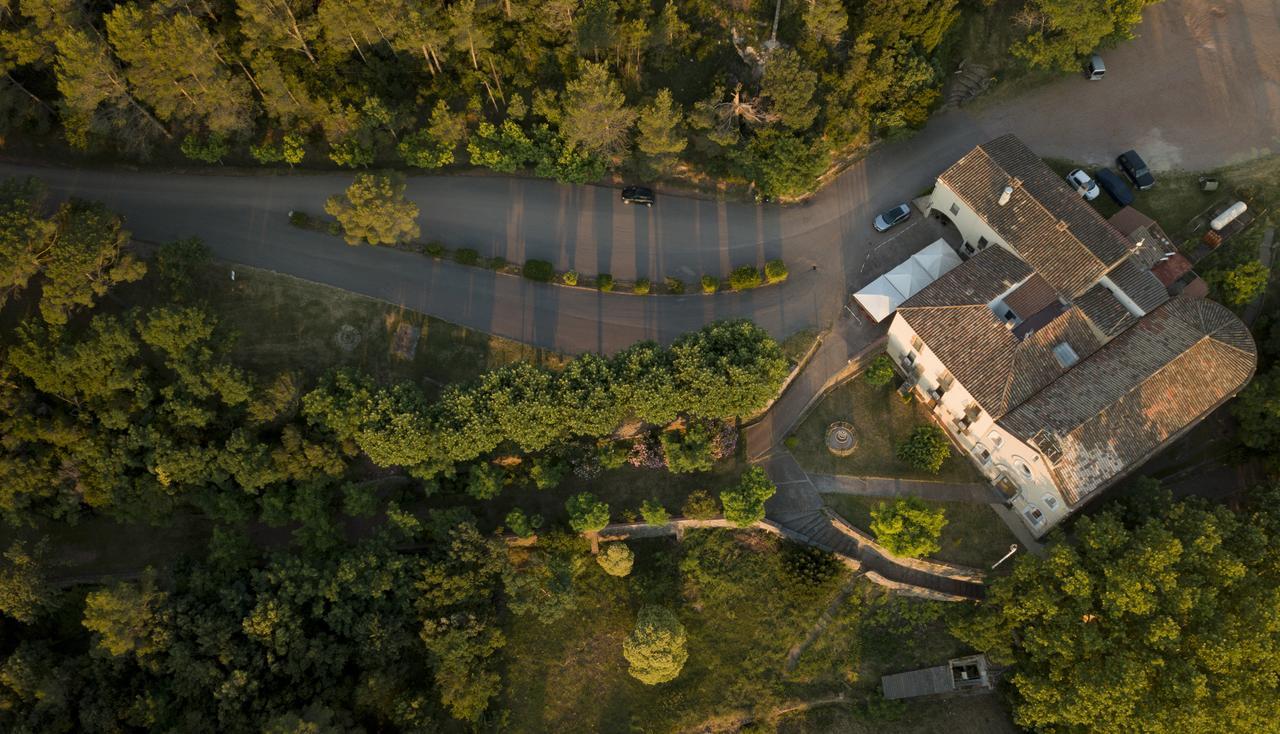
1139	284
1031	296
1049	225
1133	395
1106	312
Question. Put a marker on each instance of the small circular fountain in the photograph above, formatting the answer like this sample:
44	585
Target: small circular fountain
347	338
841	440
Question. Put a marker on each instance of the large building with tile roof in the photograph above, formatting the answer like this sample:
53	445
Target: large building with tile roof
1053	356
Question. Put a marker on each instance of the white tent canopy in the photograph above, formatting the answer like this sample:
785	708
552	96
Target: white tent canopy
882	296
937	259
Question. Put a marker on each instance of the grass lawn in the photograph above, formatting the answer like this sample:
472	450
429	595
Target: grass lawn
973	536
743	613
284	323
985	714
881	420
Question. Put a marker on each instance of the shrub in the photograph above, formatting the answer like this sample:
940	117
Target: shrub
700	505
809	567
641	287
791	442
547	472
496	263
300	219
604	282
484	482
466	256
674	285
539	270
570	278
710	284
612	454
587	514
522	525
207	149
616	559
880	371
434	249
656	648
654	513
775	271
745	278
925	449
744	503
1242	283
908	527
688	450
646	453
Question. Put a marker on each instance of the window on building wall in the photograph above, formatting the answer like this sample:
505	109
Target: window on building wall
1034	516
1021	466
955	209
996	439
982	242
983	456
1050	501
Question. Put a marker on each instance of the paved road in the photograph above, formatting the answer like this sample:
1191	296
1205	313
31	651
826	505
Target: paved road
244	219
1199	87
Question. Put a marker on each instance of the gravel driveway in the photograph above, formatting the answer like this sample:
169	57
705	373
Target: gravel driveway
1195	66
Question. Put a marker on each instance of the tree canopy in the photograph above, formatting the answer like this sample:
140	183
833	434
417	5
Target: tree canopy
373	210
656	648
908	527
1159	617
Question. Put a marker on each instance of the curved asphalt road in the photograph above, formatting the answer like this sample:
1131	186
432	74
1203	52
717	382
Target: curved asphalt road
244	218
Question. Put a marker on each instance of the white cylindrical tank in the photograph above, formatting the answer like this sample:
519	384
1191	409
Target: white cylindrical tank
1228	216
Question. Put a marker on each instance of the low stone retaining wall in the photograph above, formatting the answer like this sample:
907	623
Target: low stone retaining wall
935	568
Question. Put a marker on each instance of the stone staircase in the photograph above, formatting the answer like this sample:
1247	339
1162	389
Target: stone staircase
969	81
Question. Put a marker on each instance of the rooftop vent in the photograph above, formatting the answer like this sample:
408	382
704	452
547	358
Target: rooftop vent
1004	195
1065	355
1062	225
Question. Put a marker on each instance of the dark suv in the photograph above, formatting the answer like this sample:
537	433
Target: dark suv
637	195
1136	169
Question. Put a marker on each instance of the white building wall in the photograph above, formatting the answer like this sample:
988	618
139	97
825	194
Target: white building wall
994	451
971	227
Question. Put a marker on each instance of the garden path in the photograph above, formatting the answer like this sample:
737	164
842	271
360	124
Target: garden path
977	492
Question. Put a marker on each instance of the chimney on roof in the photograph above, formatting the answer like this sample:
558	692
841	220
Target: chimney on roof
1062	225
1004	195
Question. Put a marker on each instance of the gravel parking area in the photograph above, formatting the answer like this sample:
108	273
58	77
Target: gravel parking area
1195	66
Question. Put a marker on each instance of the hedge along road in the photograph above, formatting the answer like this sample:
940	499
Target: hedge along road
244	219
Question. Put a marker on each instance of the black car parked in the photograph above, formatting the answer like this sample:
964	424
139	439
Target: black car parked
1115	186
637	195
1136	169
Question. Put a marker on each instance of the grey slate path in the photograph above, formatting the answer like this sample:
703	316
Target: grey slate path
889	487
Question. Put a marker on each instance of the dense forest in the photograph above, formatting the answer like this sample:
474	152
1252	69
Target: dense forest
749	90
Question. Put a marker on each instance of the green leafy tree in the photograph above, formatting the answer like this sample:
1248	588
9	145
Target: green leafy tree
616	559
206	148
782	164
1157	616
1241	284
522	525
908	527
789	87
658	133
130	618
595	115
926	449
484	481
700	505
1258	410
688	450
179	263
654	513
880	371
1064	31
433	146
744	502
826	21
24	234
506	149
374	210
84	260
24	591
587	514
657	648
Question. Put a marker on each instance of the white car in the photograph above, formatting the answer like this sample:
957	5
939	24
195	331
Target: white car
890	219
1083	185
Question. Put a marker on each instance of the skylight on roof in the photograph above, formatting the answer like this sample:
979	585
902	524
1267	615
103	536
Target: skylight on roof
1065	355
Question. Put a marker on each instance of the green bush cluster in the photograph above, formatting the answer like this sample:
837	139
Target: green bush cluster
539	270
604	282
710	284
674	285
434	249
641	288
570	278
466	256
654	513
745	278
775	271
880	372
908	527
496	262
925	449
700	505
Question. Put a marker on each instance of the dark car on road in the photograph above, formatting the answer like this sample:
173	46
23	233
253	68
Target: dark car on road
637	195
1115	186
1136	169
887	220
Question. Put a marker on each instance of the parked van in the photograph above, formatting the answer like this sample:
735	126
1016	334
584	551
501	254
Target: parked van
1096	69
